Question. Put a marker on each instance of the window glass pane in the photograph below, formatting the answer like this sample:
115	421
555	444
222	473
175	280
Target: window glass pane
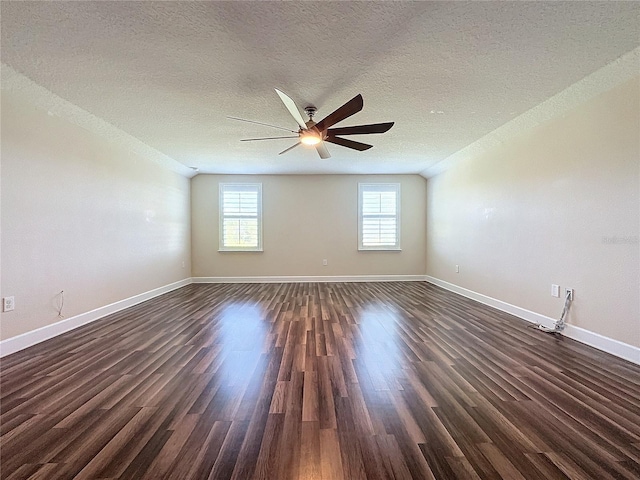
240	232
231	232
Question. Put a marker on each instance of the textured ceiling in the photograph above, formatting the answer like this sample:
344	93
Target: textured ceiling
448	73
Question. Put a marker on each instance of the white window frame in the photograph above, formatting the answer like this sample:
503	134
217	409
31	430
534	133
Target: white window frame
221	216
394	187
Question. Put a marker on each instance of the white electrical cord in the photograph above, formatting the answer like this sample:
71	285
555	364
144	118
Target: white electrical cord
558	326
61	306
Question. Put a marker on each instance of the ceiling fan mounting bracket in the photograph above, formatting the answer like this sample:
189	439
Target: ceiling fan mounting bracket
310	110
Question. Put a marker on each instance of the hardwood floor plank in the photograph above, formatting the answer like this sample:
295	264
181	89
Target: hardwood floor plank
548	469
203	463
227	458
330	455
310	466
316	381
27	470
163	461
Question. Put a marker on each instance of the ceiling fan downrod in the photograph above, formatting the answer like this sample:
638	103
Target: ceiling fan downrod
310	111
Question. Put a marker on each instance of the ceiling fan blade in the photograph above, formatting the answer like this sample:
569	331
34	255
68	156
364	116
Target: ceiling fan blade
293	109
260	123
290	148
348	143
353	106
321	148
266	138
361	129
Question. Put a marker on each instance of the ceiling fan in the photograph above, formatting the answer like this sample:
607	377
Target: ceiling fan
317	133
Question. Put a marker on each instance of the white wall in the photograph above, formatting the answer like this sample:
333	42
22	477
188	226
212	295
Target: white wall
559	204
308	218
80	215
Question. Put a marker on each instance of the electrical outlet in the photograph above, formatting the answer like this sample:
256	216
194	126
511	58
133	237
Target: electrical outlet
8	304
569	292
555	290
325	262
457	268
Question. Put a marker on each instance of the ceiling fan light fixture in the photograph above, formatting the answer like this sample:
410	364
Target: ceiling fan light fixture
310	138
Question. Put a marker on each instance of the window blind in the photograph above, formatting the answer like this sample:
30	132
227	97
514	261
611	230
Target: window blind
379	216
240	216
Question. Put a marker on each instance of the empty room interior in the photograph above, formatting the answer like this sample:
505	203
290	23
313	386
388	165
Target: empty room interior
320	240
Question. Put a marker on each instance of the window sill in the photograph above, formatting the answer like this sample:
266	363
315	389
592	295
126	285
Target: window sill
379	249
249	250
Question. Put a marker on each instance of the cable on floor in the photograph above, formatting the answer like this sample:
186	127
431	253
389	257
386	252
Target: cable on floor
558	325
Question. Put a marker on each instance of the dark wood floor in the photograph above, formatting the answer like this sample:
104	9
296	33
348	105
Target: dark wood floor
317	381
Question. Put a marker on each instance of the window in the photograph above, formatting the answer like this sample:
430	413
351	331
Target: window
240	217
379	216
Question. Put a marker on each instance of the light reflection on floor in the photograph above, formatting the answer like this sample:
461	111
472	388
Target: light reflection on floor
376	344
242	333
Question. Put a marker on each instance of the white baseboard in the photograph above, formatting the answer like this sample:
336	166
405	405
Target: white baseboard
20	342
316	279
606	344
